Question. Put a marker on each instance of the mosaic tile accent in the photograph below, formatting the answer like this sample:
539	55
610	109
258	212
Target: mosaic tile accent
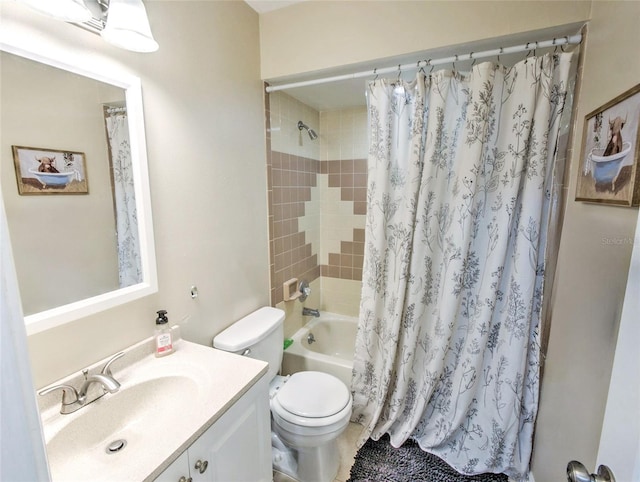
315	207
350	176
348	263
290	182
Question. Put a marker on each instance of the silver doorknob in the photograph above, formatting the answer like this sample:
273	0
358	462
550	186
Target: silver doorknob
576	472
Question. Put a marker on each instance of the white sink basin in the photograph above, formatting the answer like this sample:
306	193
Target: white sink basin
162	406
135	416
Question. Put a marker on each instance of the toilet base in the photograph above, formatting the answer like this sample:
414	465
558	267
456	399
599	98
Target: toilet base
318	464
312	463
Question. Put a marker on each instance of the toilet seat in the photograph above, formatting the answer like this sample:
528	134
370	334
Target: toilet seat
312	399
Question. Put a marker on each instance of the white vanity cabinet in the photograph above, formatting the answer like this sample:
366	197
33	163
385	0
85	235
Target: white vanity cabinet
236	448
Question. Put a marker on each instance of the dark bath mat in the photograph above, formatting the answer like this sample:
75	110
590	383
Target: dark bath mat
379	461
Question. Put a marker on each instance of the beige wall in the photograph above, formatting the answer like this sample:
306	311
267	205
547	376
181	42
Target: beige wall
591	273
318	35
204	120
592	269
64	245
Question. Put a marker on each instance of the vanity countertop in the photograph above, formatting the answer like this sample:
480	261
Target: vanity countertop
158	425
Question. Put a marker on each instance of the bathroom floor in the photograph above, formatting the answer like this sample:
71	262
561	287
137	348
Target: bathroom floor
346	445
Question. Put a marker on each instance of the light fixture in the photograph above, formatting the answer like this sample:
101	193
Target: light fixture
66	10
128	27
122	23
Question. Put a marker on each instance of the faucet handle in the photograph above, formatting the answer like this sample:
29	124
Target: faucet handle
67	390
106	370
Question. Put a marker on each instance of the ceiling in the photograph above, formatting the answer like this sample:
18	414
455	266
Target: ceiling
262	6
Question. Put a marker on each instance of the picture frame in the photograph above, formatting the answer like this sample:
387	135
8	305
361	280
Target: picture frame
49	171
608	171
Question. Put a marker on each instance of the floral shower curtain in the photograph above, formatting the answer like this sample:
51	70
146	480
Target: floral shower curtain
460	175
129	263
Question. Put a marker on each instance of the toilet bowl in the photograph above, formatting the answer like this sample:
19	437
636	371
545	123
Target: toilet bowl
309	409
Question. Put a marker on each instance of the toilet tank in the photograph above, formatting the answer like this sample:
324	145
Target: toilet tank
258	335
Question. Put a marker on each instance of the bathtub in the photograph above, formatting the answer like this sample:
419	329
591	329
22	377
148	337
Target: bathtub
332	350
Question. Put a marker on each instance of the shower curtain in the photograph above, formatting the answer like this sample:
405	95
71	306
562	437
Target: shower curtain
129	263
459	194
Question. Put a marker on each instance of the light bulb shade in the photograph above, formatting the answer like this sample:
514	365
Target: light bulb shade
66	10
128	26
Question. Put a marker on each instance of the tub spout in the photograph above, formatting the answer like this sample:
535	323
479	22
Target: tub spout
310	312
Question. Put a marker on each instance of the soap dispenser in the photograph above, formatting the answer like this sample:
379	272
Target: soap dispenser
164	345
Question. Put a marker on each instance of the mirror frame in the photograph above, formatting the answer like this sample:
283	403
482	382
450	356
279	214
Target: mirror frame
60	315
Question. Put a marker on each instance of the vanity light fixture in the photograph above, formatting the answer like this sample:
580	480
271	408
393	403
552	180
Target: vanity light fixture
123	23
66	10
128	27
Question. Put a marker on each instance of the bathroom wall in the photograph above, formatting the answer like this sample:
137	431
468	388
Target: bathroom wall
294	216
315	35
343	192
204	118
592	271
317	203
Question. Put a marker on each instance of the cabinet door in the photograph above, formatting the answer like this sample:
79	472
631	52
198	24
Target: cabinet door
178	469
237	448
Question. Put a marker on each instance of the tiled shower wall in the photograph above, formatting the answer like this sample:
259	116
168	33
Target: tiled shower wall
292	172
343	195
317	199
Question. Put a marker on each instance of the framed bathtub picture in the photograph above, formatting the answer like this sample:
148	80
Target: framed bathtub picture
609	168
49	171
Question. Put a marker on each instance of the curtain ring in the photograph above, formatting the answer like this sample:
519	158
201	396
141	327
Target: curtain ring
429	63
474	60
375	72
501	50
566	39
555	50
526	59
399	73
453	64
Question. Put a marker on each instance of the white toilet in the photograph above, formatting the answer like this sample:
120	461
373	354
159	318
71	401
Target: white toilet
309	409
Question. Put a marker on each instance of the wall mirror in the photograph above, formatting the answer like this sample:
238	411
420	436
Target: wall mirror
82	244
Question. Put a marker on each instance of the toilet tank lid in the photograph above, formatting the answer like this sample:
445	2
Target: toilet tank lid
249	330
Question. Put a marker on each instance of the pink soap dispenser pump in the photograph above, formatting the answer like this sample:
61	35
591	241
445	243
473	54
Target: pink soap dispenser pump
162	335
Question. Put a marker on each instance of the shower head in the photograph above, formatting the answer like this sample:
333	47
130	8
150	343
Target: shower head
312	134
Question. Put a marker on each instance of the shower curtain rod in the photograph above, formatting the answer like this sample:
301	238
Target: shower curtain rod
113	110
555	42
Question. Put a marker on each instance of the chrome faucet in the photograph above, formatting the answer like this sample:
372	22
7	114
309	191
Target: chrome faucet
109	384
73	399
310	312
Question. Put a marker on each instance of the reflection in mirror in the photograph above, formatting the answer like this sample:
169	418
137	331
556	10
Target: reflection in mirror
75	252
67	248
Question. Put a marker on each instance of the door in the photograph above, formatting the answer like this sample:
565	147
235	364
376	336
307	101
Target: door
620	438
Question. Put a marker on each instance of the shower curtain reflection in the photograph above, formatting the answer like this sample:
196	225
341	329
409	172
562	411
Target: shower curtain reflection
129	263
